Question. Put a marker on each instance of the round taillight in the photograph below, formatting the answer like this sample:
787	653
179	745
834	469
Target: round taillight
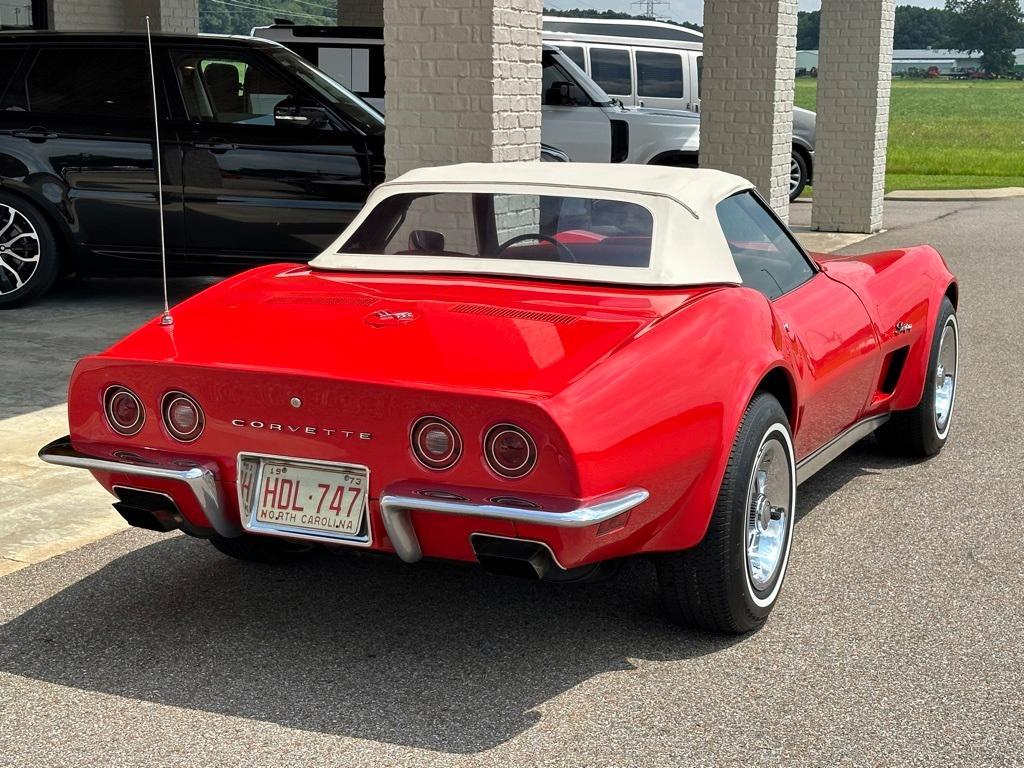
183	417
436	444
124	411
510	451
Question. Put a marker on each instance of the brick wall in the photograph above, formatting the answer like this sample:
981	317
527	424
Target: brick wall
86	15
361	13
463	81
854	79
117	15
747	92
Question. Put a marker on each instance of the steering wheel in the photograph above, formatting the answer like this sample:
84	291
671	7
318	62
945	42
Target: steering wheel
563	250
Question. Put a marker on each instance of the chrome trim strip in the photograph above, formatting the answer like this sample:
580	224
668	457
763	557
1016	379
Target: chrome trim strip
810	465
201	481
395	512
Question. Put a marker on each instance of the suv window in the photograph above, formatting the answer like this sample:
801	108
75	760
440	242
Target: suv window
659	75
222	88
766	257
610	68
9	60
86	82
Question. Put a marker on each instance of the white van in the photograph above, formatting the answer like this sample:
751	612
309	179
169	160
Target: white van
641	63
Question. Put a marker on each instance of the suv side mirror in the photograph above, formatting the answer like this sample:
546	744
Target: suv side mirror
561	94
286	114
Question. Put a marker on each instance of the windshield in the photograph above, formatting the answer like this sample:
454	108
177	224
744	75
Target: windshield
361	114
525	227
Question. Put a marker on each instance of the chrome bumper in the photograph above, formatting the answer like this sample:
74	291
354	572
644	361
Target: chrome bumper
200	480
395	512
395	509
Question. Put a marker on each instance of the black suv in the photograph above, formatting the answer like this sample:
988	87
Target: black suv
264	157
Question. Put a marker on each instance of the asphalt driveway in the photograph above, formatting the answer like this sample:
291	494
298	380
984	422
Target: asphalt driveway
899	638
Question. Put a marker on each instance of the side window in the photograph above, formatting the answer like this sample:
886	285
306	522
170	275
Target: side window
230	89
350	66
89	82
575	52
700	73
610	69
659	75
552	91
9	60
766	257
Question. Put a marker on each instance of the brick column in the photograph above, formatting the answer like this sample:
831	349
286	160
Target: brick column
854	78
180	16
463	81
86	15
746	124
361	13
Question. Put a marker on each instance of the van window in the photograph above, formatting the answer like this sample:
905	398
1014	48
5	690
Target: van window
86	82
659	75
700	73
610	68
575	52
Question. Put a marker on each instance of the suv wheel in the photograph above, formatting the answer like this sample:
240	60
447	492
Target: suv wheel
28	252
797	175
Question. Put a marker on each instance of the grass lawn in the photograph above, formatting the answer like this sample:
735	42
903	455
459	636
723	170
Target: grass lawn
950	134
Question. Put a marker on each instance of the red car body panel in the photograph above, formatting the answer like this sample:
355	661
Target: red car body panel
619	387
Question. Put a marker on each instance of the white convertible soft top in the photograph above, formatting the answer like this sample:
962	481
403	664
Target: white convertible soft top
687	248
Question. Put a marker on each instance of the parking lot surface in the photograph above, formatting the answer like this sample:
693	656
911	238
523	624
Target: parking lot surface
897	641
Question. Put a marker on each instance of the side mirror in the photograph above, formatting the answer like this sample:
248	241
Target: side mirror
295	115
561	94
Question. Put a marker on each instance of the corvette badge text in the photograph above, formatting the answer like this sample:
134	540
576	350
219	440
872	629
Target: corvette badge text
300	430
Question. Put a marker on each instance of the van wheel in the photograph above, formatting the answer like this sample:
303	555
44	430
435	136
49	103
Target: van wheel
797	175
730	582
28	252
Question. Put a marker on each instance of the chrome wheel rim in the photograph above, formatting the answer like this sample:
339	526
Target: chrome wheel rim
769	508
945	376
794	174
19	250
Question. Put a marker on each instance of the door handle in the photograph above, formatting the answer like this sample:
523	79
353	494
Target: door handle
215	145
35	133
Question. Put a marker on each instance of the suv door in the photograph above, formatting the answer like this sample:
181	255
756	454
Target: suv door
570	120
80	118
271	171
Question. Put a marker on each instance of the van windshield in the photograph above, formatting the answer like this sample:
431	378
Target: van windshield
365	117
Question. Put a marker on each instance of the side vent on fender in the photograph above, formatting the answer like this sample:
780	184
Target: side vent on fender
517	314
620	141
345	300
892	368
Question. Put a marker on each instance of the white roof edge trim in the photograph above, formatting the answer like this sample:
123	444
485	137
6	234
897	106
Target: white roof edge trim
687	245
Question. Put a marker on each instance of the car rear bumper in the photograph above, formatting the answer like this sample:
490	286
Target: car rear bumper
397	504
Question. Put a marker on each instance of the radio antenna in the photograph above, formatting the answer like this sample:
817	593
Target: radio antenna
166	319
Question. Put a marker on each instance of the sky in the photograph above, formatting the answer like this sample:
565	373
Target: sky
691	10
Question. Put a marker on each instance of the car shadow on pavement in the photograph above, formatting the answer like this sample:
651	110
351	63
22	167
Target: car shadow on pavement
436	656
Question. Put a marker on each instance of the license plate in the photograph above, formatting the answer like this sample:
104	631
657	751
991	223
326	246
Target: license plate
304	498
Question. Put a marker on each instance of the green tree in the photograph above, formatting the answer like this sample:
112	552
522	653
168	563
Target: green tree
919	27
808	29
238	17
991	27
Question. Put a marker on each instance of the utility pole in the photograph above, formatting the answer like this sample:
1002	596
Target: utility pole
648	8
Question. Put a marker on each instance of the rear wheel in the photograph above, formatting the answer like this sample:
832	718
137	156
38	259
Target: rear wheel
730	581
923	431
262	549
28	252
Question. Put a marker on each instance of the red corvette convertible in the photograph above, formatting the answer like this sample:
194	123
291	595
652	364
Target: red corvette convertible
540	368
